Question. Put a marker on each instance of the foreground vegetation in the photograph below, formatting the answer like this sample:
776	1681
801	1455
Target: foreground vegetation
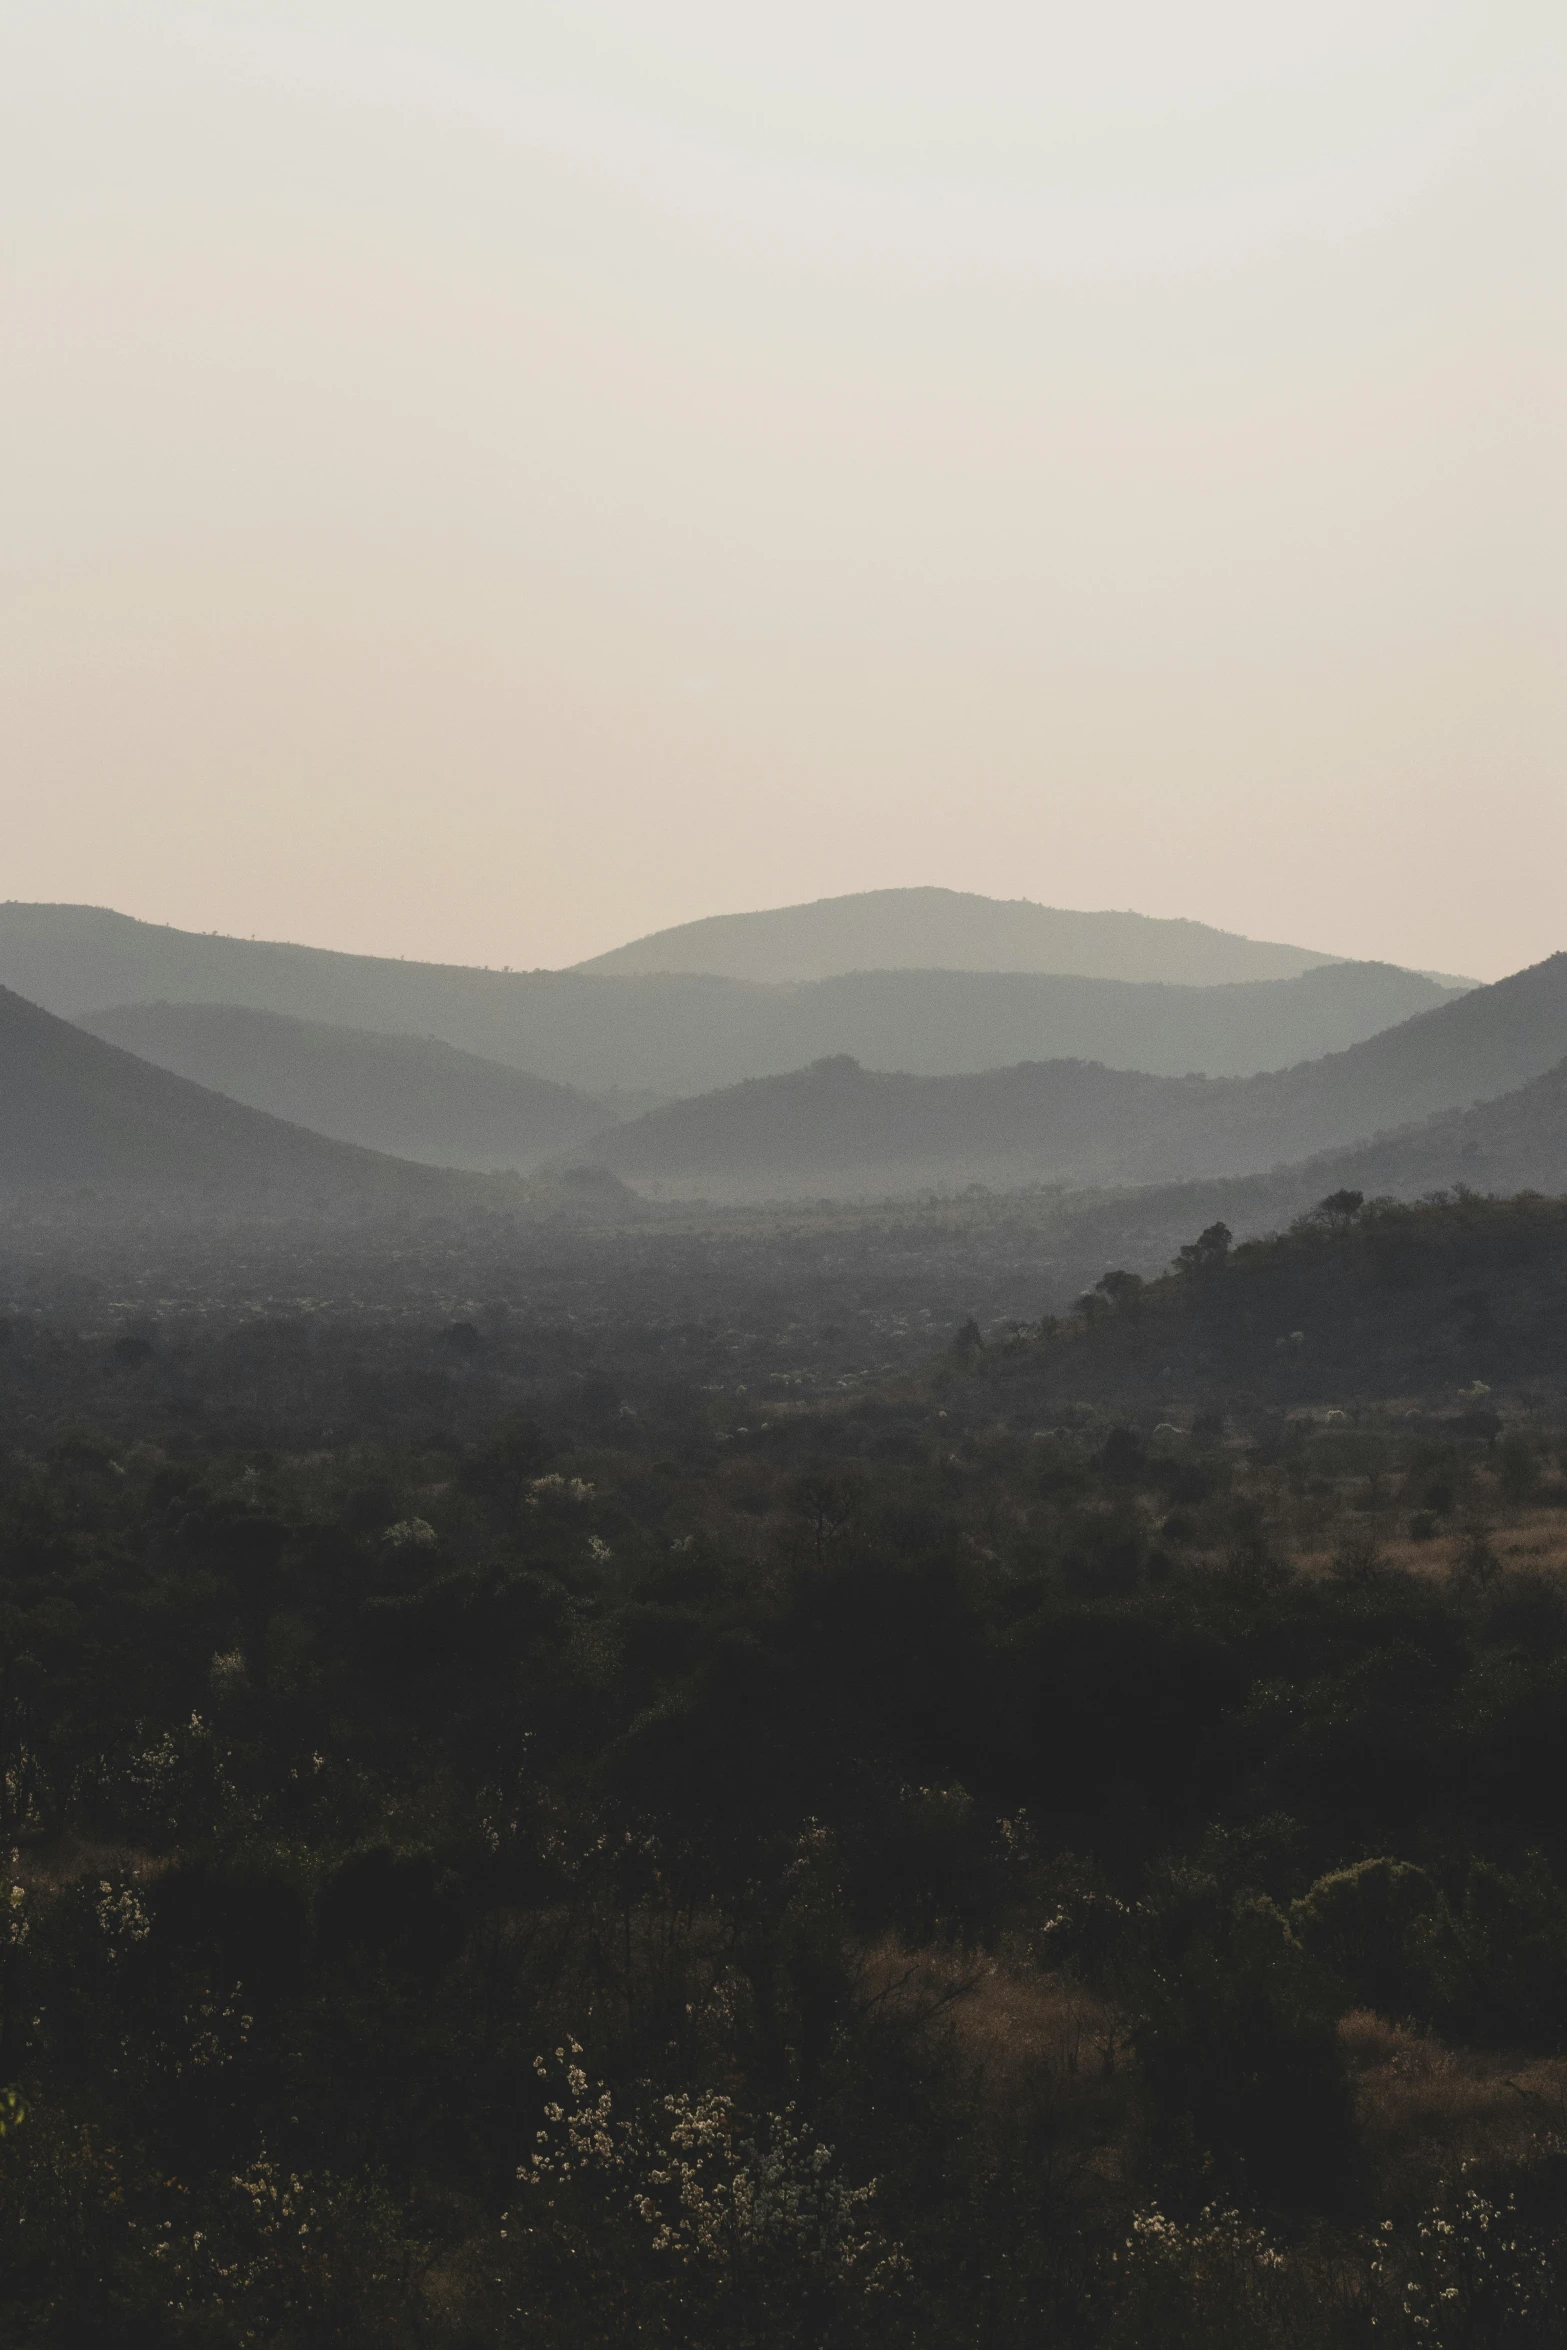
523	1839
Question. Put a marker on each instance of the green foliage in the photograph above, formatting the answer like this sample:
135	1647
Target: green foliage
1011	1800
1244	2079
1374	1927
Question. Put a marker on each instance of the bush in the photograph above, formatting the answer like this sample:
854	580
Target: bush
1370	1927
1243	2075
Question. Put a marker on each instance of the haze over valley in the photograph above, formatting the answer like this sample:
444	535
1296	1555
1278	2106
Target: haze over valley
708	1084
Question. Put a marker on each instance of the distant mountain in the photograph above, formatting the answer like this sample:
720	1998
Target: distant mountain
953	930
1516	1143
408	1095
947	1023
837	1126
668	1034
75	1110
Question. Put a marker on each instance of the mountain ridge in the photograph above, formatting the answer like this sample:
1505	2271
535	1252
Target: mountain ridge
685	1034
409	1097
1076	1122
931	928
79	1110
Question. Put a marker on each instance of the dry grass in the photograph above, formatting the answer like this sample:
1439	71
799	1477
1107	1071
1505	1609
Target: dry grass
1532	1540
1039	2058
49	1868
1424	2108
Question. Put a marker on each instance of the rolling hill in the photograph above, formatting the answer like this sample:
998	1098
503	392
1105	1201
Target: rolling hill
1515	1144
1396	1301
953	930
76	1110
838	1126
408	1095
674	1034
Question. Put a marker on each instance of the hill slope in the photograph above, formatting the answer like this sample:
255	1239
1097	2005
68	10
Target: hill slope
951	1023
952	930
408	1095
680	1035
76	1110
1398	1300
1515	1144
1077	1122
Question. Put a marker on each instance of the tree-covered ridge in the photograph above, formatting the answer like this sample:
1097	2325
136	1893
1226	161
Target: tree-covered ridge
1357	1299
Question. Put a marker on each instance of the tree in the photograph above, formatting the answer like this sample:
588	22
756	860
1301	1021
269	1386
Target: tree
1208	1253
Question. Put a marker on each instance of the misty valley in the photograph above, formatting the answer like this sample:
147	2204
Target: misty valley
849	1629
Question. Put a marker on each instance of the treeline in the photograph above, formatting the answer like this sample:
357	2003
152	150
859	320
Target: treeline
1357	1299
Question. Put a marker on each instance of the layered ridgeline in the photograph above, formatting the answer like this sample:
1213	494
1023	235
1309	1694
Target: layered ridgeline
411	1096
77	1111
1517	1144
684	1034
837	1126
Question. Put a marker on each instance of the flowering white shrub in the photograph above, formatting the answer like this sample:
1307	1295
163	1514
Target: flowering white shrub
703	2186
122	1917
227	1673
283	2249
1216	2243
1216	2282
555	1487
177	1785
411	1534
1467	2270
15	1925
215	2030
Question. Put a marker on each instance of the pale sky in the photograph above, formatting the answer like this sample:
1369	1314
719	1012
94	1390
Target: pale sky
485	479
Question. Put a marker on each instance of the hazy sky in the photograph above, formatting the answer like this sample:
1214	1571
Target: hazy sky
488	478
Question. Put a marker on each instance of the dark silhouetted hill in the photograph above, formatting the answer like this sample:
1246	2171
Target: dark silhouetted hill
673	1034
408	1095
837	1124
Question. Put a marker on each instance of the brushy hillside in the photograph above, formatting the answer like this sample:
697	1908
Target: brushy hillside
953	930
673	1034
1518	1143
836	1123
1356	1300
526	1827
411	1096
